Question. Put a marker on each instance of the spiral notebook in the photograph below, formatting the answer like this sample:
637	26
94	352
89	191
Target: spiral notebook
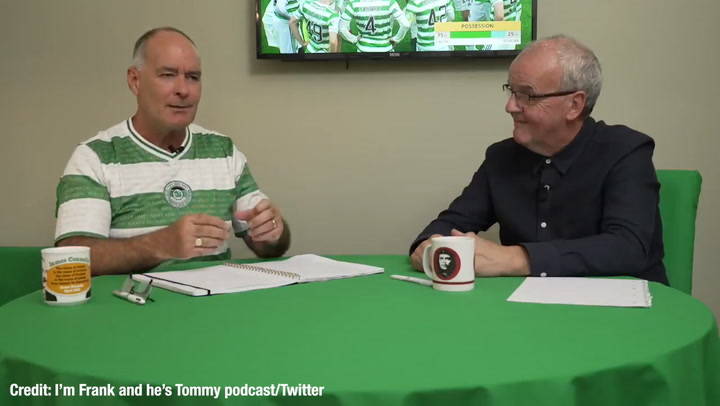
232	278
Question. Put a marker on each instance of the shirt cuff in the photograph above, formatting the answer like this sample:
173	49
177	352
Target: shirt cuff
543	259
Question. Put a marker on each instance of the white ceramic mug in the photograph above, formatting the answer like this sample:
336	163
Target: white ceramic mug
66	275
450	263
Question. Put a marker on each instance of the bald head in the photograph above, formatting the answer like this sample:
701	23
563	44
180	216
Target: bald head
140	48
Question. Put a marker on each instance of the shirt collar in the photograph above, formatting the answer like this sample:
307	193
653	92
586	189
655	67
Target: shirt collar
154	149
564	159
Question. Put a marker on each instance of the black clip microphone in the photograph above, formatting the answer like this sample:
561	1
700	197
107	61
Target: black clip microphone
176	150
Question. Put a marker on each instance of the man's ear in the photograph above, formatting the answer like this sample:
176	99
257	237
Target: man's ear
577	105
133	79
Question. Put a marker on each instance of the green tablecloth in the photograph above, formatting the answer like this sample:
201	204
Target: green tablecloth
368	340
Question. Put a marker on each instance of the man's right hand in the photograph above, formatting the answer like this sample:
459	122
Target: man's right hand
190	236
177	241
417	256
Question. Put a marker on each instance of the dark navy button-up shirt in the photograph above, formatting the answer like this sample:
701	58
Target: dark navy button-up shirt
590	210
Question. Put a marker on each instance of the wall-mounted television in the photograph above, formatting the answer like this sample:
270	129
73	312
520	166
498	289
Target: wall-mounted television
343	29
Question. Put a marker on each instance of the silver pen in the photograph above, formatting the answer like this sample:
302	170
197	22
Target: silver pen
412	279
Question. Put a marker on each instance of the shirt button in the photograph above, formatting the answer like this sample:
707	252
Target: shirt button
543	274
547	187
548	161
543	225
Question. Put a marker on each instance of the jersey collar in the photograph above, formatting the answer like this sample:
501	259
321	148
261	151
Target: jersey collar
154	149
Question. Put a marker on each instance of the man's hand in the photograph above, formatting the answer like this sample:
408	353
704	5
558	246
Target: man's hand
492	259
268	235
265	222
417	256
191	236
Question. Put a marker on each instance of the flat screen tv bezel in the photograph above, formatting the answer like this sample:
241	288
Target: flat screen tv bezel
407	55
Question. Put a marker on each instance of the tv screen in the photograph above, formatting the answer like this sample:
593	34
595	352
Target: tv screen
329	29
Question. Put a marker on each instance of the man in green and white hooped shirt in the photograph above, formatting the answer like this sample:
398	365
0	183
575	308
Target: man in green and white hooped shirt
425	13
512	10
374	20
485	10
157	187
322	26
462	9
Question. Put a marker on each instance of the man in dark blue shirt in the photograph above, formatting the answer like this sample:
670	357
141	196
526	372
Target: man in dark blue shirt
572	196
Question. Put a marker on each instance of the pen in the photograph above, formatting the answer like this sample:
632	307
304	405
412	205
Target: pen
129	297
425	282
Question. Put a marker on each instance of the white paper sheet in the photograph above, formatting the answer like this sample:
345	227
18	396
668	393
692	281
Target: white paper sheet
584	291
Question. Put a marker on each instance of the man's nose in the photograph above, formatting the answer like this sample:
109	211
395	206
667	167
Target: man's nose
181	87
512	106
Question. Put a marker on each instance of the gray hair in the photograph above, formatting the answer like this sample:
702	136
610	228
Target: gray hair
581	68
139	48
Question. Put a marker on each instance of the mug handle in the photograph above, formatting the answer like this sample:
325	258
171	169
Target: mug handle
427	265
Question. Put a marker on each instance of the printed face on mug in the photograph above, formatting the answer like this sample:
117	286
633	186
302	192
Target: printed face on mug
446	263
449	262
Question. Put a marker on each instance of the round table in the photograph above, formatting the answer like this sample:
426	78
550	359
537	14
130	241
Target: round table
366	340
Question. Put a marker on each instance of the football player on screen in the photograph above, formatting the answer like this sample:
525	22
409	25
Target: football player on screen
485	10
374	20
322	26
462	9
425	13
284	11
340	6
512	9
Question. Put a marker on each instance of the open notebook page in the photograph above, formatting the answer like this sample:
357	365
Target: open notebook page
215	280
314	268
229	278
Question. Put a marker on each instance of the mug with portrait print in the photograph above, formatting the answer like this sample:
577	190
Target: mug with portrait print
450	263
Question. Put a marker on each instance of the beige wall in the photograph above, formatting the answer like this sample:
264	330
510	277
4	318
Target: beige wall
378	168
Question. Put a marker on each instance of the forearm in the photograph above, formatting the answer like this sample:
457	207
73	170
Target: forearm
404	26
471	211
606	254
265	249
296	31
499	11
345	32
119	256
334	42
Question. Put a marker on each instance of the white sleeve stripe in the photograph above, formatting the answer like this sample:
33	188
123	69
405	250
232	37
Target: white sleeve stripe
82	162
83	215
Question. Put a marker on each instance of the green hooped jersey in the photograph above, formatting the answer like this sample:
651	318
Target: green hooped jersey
374	20
427	13
512	9
322	19
291	6
119	185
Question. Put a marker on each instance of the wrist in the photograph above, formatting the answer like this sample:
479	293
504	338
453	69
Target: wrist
520	261
149	247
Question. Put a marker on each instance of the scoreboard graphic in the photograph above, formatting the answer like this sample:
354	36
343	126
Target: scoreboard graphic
479	33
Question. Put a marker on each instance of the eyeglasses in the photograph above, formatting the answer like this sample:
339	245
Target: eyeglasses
524	99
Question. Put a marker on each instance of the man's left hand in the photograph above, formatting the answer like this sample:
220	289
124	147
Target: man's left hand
492	259
264	220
